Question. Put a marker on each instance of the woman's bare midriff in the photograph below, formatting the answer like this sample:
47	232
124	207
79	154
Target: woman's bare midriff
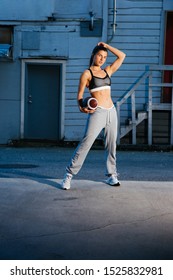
104	98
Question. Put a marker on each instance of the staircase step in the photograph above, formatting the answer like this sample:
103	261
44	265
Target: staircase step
141	115
124	129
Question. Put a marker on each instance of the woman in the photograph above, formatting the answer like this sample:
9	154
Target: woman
98	81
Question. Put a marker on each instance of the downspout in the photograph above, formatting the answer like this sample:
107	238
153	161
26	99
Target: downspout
91	26
114	21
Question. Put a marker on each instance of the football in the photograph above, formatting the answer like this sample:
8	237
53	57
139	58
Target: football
90	103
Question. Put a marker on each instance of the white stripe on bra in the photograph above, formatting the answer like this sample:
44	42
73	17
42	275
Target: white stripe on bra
99	88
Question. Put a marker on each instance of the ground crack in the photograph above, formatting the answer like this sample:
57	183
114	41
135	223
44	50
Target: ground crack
86	230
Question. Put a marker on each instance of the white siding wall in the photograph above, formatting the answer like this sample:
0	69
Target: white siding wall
74	119
137	34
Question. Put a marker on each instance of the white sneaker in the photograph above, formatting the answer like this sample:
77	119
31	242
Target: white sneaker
112	181
66	181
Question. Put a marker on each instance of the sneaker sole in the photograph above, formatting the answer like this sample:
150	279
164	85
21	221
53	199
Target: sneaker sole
113	185
116	185
66	189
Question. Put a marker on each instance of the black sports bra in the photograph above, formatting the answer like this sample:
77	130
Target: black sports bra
98	83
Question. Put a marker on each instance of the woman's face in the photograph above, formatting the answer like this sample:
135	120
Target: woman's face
100	58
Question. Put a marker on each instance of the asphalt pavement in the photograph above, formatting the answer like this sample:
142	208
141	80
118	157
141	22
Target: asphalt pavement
91	221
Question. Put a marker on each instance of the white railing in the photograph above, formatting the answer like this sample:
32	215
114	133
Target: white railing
146	77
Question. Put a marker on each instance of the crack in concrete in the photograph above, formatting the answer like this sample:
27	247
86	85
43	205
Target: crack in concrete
87	230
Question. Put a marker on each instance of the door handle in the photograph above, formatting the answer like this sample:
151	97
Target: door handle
30	99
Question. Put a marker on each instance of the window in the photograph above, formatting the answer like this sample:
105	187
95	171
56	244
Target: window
6	41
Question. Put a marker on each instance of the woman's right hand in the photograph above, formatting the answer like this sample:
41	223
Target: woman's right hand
86	110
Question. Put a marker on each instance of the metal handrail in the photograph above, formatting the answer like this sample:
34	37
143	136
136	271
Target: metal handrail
131	94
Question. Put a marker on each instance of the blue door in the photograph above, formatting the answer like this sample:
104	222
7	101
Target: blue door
42	102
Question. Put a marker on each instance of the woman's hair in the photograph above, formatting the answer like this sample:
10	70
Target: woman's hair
96	50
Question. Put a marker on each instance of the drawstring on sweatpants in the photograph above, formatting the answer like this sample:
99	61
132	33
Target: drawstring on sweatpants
108	117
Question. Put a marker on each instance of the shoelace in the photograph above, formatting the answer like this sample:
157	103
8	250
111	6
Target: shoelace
67	178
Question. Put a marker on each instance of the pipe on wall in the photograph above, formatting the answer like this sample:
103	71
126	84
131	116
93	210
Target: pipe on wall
114	21
91	27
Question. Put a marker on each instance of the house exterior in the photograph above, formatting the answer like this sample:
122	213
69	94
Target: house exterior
46	44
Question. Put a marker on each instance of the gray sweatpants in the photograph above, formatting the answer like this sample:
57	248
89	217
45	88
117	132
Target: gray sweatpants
101	119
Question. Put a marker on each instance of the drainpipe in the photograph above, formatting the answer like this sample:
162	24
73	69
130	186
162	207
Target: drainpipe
91	26
114	21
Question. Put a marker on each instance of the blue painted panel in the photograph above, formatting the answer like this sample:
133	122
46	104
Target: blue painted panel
30	40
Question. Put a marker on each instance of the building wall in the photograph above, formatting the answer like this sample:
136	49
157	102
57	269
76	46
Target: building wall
28	10
51	29
138	33
9	101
